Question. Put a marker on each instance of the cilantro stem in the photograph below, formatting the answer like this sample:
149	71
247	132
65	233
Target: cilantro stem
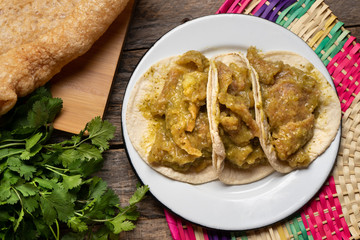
17	194
12	140
11	145
94	220
49	146
22	207
53	169
75	145
128	208
57	235
11	154
57	229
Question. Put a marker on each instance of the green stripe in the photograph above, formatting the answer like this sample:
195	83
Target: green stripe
334	49
280	20
327	39
296	11
297	228
303	229
292	9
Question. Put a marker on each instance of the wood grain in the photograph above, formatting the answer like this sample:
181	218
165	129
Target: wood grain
120	176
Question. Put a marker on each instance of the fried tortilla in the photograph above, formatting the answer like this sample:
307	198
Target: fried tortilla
298	111
39	37
167	119
237	153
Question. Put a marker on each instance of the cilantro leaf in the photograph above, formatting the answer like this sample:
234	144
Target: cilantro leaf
33	140
121	225
57	205
104	205
97	188
31	203
8	152
71	182
32	146
5	192
16	165
26	189
27	154
100	132
77	225
84	152
44	111
138	195
13	199
44	183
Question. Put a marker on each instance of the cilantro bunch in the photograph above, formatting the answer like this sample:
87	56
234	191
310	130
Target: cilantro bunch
47	189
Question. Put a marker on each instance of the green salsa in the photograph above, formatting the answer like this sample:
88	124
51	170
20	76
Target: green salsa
290	97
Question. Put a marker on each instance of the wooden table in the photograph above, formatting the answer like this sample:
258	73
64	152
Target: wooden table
151	19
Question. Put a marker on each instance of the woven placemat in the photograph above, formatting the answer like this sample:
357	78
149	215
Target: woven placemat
334	213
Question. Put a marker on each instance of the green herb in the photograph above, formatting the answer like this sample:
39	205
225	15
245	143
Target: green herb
47	190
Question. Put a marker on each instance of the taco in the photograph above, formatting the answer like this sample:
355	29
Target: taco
298	111
167	118
237	153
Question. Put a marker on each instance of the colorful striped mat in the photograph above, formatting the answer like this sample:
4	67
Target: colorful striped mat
335	212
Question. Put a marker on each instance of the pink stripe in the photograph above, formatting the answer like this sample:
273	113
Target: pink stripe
187	235
190	230
348	86
346	228
258	6
340	67
331	66
224	8
349	41
206	237
357	90
243	6
354	70
172	225
319	219
347	104
341	55
303	218
180	228
355	49
305	222
328	216
341	222
234	6
311	220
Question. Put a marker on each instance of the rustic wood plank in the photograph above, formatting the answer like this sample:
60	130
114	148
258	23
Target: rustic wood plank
355	31
126	65
119	175
152	19
347	11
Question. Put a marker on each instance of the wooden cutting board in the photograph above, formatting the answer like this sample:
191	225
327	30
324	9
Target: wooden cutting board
84	84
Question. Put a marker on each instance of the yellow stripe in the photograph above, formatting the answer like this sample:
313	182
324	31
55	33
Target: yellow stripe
317	39
281	233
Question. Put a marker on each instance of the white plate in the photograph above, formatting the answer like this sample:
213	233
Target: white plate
214	204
